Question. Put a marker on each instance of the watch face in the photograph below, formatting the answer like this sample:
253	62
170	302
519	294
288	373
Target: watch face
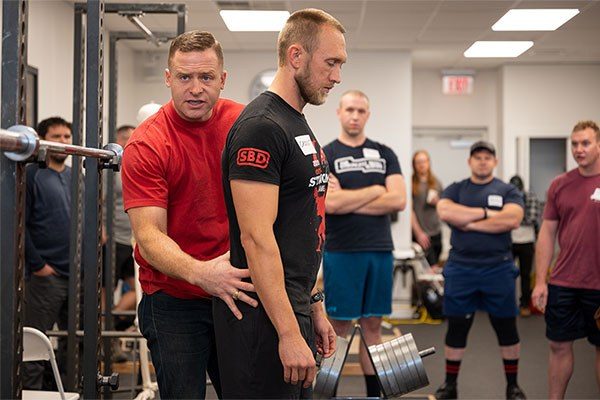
261	82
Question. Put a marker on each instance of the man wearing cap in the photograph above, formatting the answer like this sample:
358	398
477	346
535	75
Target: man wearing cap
480	273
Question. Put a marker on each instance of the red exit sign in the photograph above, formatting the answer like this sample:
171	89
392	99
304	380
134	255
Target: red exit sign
457	84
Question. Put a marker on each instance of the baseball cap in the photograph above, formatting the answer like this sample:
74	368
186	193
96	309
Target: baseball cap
482	145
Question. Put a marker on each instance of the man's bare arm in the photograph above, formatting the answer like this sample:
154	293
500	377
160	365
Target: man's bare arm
256	211
217	277
504	220
544	251
346	201
457	214
393	200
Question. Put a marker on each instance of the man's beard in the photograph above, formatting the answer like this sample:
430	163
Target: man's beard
309	95
58	158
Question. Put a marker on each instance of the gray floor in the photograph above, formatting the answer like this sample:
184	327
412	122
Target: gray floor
481	375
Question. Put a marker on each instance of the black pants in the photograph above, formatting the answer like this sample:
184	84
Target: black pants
523	252
46	303
435	249
248	350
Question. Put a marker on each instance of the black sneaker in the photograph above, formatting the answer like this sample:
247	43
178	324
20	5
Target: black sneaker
446	391
514	392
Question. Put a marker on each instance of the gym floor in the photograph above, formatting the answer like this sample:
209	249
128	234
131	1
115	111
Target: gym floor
481	375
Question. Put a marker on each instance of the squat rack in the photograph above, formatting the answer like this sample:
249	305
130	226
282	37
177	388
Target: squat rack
12	183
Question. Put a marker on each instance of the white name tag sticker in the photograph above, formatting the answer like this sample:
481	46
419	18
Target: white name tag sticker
596	195
306	144
371	153
495	200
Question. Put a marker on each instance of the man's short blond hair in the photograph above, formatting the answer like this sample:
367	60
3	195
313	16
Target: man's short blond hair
195	41
303	28
581	125
355	92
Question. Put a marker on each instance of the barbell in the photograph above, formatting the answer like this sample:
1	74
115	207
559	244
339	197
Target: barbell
398	366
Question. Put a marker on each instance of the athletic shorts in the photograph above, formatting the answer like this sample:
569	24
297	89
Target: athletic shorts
570	314
489	288
358	284
124	261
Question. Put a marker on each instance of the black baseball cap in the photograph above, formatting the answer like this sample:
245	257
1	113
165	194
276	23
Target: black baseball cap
482	145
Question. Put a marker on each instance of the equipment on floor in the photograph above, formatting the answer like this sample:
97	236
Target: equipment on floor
398	366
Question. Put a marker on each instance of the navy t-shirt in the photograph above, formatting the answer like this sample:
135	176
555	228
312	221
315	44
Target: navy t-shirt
356	168
271	142
478	248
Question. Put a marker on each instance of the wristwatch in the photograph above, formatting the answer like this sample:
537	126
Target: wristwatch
319	296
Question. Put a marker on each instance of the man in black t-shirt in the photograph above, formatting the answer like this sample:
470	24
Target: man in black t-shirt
365	187
480	272
275	179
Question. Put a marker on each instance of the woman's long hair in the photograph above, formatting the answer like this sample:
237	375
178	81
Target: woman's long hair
415	178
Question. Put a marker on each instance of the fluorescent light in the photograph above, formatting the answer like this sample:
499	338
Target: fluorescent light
534	19
252	20
497	49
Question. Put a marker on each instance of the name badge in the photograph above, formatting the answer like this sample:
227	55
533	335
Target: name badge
371	153
306	144
495	200
596	195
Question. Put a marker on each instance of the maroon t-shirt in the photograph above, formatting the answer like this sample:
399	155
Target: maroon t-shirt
574	201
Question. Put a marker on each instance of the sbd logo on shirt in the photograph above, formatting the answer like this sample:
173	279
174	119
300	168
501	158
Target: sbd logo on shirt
253	157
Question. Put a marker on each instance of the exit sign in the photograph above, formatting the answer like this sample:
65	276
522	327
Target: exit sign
457	84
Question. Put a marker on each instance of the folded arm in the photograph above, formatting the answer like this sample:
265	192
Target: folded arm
504	220
346	201
458	215
393	200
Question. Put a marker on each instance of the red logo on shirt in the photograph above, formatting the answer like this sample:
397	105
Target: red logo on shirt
253	157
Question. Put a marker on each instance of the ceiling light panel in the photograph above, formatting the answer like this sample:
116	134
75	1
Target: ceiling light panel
254	20
534	19
497	49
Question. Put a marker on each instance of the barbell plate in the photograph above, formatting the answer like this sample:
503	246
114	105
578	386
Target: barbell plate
402	389
404	373
418	360
379	370
330	371
414	376
389	373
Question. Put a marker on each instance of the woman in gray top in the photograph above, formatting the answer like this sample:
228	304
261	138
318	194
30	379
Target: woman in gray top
425	223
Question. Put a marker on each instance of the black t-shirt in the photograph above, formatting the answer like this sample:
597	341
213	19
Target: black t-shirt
355	168
478	248
271	142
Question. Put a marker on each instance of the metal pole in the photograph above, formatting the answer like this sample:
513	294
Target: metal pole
74	300
12	199
181	18
92	250
110	259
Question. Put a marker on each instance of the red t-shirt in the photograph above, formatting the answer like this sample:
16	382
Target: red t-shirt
176	164
574	201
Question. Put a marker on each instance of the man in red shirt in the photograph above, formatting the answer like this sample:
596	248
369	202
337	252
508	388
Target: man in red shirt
173	194
572	296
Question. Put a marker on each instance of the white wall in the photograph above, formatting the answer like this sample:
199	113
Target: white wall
50	50
476	111
545	101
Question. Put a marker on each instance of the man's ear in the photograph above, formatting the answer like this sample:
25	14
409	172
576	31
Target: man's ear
167	77
295	54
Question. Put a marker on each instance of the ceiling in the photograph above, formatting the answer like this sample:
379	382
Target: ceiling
437	32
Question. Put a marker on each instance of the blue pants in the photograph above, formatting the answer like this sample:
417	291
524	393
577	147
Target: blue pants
489	288
181	340
358	284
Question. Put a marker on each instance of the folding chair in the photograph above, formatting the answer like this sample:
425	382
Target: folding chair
37	347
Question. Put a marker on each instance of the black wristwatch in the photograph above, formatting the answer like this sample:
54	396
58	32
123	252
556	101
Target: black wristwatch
319	296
